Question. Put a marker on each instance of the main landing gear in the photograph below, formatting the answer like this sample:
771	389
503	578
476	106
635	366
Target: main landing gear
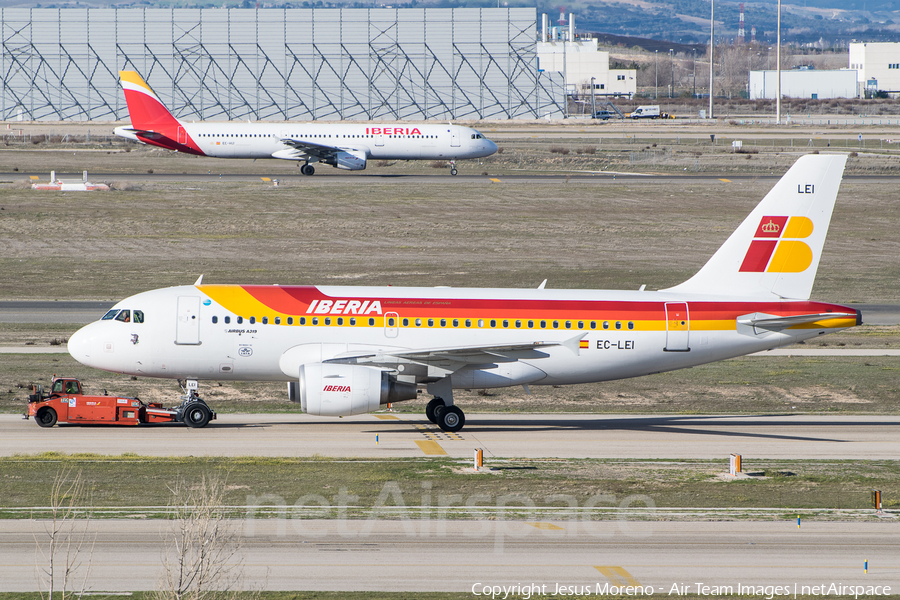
442	412
193	410
307	169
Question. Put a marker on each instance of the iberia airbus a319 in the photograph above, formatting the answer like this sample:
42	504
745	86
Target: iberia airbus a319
349	350
345	146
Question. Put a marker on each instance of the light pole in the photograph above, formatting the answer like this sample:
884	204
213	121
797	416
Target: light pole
694	76
656	87
593	108
712	28
672	63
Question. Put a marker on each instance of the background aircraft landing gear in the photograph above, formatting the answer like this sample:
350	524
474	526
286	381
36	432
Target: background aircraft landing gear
307	169
453	167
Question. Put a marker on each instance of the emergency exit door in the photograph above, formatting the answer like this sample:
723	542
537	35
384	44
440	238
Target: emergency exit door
678	327
187	327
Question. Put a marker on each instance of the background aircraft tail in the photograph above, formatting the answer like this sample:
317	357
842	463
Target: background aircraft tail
775	252
151	121
144	108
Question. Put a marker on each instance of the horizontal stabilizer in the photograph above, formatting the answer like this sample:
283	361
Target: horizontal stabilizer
762	321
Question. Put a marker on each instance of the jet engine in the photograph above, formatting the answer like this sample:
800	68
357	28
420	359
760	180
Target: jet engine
335	390
351	160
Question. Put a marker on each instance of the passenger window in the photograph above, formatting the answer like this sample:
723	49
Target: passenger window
252	320
390	321
443	322
303	320
530	324
328	320
518	324
505	323
290	320
353	320
555	324
138	316
315	320
340	321
124	316
468	322
618	324
418	322
568	324
481	322
431	322
543	324
278	320
593	324
406	322
493	323
630	324
605	324
580	324
227	319
240	320
215	319
110	315
456	322
371	321
265	321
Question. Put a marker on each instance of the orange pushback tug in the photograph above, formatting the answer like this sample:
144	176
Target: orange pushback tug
65	403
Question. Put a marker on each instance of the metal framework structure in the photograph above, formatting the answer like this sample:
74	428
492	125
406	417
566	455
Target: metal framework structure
277	64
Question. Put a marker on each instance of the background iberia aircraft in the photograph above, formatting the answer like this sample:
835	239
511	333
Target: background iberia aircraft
345	146
348	350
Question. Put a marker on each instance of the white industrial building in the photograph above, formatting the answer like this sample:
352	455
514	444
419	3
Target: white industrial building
877	66
582	63
811	84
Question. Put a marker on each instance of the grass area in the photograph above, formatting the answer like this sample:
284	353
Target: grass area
132	482
748	385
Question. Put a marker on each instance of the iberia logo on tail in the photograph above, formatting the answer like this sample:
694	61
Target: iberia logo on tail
776	246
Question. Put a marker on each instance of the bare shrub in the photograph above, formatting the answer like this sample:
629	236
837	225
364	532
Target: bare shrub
64	564
588	150
743	150
559	150
853	155
383	163
438	164
499	150
202	554
121	186
38	139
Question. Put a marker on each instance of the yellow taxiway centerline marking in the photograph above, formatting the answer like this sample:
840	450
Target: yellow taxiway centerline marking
387	417
547	526
495	180
34	177
726	180
618	576
266	178
430	448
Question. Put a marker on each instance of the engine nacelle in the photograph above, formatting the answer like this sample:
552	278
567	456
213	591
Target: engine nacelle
351	160
337	390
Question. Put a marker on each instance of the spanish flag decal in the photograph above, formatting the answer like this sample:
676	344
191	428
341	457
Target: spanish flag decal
584	344
776	247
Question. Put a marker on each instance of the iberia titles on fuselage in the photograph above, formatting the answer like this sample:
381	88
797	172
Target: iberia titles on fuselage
348	350
344	145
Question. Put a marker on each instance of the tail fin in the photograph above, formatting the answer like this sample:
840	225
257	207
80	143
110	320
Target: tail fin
775	252
146	111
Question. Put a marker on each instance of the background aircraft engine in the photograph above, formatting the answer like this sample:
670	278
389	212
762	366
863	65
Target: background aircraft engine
340	390
351	160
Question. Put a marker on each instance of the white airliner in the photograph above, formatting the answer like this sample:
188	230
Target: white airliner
345	146
349	350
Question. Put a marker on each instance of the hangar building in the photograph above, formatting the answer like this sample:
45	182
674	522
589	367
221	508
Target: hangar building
277	64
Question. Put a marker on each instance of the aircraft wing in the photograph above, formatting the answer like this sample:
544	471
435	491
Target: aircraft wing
763	321
153	135
318	151
456	357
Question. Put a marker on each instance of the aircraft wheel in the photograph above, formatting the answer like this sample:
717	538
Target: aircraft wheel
451	419
307	169
453	171
197	415
431	407
46	417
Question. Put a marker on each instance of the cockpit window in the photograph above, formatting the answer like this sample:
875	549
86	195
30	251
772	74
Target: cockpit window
124	316
138	316
109	315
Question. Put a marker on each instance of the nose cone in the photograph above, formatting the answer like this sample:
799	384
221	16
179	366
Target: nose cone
491	147
83	344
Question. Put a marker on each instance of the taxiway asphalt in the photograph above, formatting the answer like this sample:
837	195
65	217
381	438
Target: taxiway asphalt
395	435
475	555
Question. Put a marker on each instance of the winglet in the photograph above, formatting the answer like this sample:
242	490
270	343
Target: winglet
543	283
199	280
